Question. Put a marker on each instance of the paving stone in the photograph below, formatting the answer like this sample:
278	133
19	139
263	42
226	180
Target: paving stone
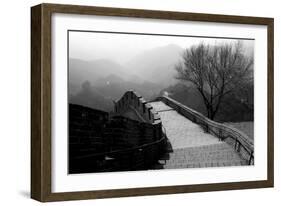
182	132
192	147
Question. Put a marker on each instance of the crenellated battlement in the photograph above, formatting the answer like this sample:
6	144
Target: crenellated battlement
134	106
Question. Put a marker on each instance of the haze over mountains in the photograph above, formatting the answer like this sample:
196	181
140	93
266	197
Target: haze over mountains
147	73
157	65
98	83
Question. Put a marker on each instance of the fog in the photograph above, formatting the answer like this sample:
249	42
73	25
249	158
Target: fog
121	48
103	66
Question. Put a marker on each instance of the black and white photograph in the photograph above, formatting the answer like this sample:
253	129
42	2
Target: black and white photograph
141	101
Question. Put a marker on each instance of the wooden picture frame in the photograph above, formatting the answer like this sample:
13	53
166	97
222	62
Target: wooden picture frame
41	116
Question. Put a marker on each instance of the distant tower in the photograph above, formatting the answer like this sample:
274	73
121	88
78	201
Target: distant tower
165	93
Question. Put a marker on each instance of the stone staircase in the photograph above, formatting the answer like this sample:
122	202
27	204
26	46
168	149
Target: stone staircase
215	155
191	146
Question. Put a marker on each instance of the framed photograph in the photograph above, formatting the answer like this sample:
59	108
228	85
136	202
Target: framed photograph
130	102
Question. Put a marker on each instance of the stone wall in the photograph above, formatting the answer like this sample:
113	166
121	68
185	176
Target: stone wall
86	128
134	106
122	133
98	143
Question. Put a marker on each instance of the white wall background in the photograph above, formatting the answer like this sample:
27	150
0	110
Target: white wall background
15	102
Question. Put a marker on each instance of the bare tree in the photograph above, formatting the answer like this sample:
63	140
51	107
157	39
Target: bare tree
215	71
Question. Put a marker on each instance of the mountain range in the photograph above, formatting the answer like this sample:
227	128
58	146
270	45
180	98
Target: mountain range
147	73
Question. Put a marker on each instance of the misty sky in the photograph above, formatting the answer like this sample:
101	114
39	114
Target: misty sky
122	47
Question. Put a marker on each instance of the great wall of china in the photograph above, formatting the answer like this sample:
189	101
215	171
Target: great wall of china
140	135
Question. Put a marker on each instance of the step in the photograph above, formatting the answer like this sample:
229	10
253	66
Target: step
215	155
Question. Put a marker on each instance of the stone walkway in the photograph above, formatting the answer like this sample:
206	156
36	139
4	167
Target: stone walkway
192	147
182	132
